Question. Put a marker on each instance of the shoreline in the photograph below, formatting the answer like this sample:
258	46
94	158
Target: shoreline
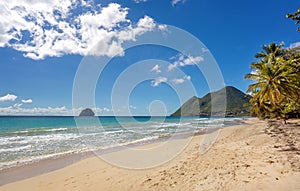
24	171
36	168
24	160
243	157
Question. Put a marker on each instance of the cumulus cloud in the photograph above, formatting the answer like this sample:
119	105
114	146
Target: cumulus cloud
158	81
17	109
175	2
182	60
156	69
294	45
97	110
26	100
53	28
162	27
181	80
8	97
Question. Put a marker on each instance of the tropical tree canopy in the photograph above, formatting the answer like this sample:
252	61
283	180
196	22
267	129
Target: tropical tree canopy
295	16
276	90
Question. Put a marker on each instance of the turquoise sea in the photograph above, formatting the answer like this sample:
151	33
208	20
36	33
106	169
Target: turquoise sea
30	139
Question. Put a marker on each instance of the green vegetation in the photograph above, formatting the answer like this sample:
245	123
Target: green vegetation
295	16
235	100
276	93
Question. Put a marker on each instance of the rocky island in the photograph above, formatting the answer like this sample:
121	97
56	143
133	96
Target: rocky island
87	112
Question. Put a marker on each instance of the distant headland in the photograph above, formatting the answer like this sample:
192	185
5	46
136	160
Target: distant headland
236	102
87	112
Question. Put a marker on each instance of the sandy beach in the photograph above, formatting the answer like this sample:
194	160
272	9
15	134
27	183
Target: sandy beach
253	156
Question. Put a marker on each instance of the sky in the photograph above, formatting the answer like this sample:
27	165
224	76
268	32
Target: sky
45	44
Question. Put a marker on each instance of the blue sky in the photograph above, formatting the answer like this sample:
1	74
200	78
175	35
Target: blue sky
42	44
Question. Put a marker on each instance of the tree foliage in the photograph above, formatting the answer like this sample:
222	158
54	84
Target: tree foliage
276	92
295	16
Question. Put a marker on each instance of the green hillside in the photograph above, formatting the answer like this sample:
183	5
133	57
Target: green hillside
234	102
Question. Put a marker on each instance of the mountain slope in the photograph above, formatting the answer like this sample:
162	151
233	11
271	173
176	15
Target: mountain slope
229	96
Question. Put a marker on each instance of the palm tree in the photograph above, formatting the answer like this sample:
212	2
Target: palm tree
295	16
292	64
276	82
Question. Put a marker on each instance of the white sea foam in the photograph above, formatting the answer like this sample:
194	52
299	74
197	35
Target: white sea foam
54	137
14	149
20	132
87	148
114	132
42	143
57	129
35	139
164	125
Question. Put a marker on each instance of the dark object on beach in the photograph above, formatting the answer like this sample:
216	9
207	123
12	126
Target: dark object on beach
87	112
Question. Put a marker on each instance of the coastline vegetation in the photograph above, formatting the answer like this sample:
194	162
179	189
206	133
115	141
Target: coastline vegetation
295	16
276	93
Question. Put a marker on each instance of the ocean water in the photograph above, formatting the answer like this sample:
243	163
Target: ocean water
30	139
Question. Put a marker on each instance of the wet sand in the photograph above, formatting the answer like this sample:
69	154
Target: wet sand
253	156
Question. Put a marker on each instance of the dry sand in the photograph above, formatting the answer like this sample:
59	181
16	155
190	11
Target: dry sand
253	156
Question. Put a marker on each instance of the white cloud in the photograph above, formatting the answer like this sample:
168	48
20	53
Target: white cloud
8	97
140	1
17	109
156	69
52	28
181	80
171	67
27	101
294	45
105	109
132	107
97	110
178	80
205	50
182	60
17	105
163	27
175	2
158	81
